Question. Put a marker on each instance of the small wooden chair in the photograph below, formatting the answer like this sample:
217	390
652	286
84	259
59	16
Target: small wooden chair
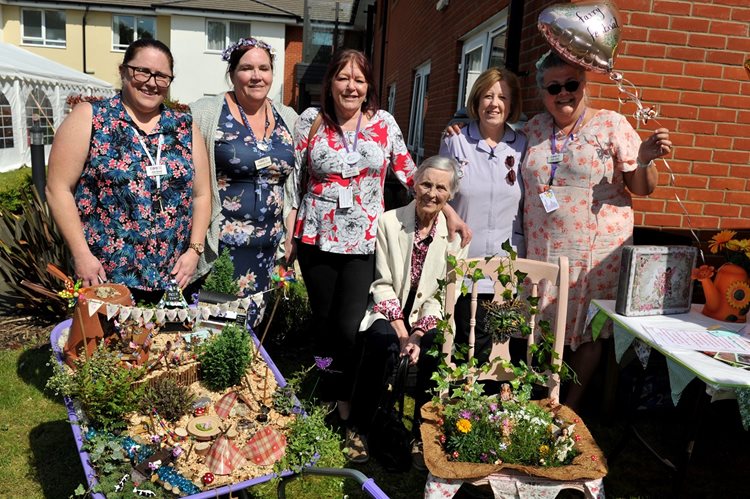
556	274
510	482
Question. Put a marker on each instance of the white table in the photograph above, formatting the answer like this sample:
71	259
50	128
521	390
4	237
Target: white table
721	379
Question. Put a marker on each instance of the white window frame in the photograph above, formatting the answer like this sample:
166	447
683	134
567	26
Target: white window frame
122	46
227	29
415	143
7	140
392	99
43	41
479	39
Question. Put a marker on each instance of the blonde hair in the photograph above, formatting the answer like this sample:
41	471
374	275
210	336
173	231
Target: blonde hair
485	81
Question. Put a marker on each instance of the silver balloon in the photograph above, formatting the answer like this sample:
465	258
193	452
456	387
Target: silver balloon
586	33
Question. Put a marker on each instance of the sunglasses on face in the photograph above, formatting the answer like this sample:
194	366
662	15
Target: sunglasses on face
569	86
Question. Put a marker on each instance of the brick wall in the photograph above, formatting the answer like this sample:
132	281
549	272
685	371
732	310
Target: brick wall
418	33
292	55
685	57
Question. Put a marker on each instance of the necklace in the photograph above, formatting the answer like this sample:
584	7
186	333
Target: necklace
265	143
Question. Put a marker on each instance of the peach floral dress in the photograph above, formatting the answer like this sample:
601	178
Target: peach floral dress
595	217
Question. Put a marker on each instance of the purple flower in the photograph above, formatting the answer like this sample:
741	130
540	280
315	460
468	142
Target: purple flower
493	407
323	363
483	457
466	414
194	298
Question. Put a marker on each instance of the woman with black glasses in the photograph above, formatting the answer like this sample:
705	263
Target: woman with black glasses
581	166
128	182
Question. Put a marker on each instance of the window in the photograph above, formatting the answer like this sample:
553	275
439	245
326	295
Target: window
38	106
220	34
43	27
127	29
480	52
419	99
392	99
6	123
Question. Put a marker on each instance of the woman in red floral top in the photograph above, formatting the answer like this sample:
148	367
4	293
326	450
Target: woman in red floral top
346	148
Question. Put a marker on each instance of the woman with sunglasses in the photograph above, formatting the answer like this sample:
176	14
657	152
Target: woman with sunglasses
581	166
251	153
128	182
489	153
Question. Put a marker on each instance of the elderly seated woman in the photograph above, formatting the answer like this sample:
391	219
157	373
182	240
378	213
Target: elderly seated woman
410	257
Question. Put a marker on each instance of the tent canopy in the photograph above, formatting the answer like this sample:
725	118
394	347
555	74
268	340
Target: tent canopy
18	63
32	84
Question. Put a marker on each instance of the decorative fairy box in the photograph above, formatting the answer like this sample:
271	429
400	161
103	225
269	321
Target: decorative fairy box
655	280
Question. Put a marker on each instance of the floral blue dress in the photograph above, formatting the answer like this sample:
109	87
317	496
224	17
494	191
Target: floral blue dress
136	228
252	197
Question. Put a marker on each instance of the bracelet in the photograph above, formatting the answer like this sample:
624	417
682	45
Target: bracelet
643	165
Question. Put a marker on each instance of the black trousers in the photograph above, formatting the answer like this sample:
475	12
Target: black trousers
338	288
381	352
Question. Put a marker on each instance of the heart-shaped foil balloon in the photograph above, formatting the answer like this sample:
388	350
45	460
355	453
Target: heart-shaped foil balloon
586	33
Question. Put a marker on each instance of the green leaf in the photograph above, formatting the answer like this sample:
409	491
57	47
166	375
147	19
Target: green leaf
533	300
451	259
477	275
504	279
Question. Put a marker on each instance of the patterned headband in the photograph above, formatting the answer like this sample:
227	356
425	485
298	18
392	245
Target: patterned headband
247	42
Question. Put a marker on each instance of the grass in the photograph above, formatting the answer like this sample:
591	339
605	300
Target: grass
38	456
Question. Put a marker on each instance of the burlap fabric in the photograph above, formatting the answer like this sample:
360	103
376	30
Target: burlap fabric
589	464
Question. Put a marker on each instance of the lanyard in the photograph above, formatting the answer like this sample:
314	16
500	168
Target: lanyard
263	143
557	155
148	153
356	136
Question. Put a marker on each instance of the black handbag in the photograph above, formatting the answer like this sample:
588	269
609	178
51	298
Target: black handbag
389	440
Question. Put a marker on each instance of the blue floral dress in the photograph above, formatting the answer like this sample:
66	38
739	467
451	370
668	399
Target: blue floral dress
135	228
252	198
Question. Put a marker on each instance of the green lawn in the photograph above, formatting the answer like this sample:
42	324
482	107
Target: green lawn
37	452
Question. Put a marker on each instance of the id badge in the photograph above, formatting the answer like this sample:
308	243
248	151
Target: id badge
263	163
549	201
350	171
555	158
346	198
156	170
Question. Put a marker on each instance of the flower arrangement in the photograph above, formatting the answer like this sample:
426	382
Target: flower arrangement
508	427
480	428
736	251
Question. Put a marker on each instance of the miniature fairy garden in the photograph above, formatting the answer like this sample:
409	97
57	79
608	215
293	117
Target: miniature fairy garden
175	400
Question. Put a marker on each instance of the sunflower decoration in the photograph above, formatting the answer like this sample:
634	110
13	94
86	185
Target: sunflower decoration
720	240
738	296
735	250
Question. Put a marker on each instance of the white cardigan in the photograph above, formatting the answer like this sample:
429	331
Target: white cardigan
393	264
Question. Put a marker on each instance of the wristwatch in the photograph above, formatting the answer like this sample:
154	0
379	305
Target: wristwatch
198	247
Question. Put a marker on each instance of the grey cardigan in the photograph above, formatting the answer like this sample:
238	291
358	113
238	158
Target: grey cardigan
206	113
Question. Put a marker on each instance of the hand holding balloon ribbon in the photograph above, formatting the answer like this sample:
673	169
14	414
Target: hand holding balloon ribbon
587	34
